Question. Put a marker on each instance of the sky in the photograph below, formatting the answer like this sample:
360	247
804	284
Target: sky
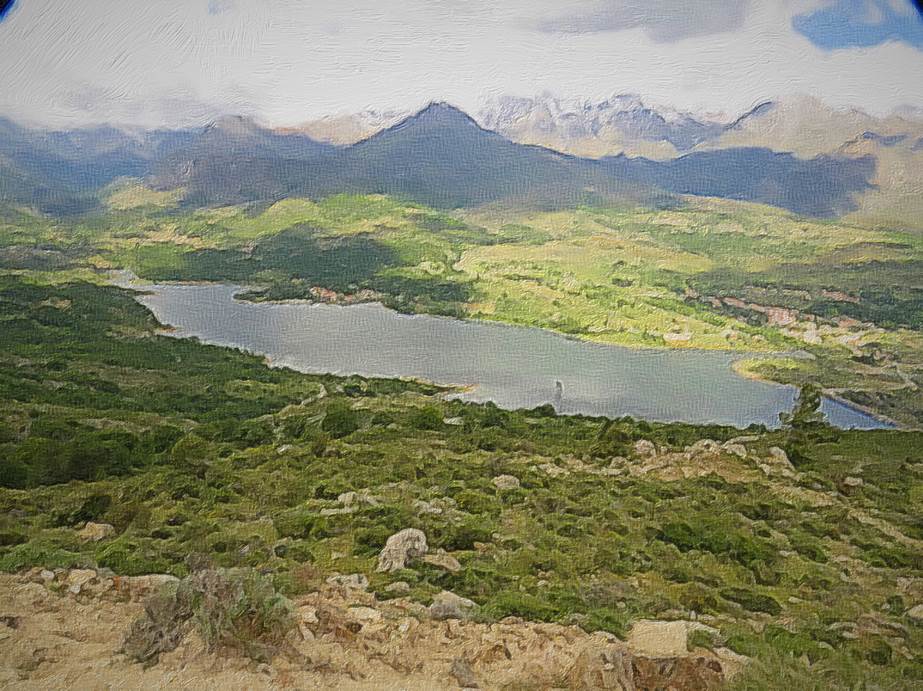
284	62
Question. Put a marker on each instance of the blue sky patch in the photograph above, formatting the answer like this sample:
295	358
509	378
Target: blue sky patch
862	23
5	7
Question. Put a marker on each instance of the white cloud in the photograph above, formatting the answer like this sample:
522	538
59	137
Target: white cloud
662	20
175	62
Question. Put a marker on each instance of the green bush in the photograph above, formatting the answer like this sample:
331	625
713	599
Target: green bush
340	420
752	600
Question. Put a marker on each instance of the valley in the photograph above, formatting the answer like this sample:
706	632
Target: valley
160	430
713	274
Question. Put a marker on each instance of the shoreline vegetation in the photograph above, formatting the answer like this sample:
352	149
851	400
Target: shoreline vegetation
713	275
740	366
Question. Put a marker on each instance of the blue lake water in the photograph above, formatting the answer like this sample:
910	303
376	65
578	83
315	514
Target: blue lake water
516	367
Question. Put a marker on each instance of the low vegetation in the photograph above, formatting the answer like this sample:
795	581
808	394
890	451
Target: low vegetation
198	454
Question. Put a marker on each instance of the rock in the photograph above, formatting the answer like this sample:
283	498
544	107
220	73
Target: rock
738	450
46	575
915	614
398	588
645	448
353	581
94	532
426	507
506	482
609	667
552	470
138	587
307	620
357	498
464	674
852	482
400	548
779	456
341	511
443	561
704	446
78	579
363	615
661	639
448	605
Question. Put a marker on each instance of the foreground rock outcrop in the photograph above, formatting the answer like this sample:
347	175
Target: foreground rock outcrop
51	637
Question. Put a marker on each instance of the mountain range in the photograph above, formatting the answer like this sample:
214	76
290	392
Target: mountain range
525	151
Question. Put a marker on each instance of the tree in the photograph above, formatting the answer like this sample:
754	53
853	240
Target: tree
806	413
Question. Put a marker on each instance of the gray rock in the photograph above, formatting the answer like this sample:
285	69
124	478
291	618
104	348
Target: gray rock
401	548
398	588
443	561
448	605
506	482
94	532
353	581
645	448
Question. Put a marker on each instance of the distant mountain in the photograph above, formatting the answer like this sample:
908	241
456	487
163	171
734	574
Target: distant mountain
824	186
234	159
439	156
442	157
620	124
59	171
347	128
807	127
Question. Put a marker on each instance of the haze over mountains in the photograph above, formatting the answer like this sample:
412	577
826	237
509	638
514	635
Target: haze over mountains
795	154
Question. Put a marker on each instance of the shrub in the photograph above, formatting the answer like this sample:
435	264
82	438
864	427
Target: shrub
752	600
341	420
131	558
425	418
517	604
234	608
240	609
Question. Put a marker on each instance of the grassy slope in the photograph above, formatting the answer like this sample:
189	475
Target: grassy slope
194	449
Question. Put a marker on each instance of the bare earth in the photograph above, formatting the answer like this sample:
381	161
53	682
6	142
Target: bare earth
54	638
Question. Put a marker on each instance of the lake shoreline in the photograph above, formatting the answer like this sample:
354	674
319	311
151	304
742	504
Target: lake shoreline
516	368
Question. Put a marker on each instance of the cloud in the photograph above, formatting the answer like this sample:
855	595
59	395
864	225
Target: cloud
862	23
663	20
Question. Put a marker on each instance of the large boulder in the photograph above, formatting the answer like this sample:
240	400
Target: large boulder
645	448
401	548
448	605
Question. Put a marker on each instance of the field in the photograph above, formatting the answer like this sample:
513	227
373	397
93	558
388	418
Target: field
808	567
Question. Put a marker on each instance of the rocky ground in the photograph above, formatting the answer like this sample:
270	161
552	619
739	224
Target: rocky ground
65	630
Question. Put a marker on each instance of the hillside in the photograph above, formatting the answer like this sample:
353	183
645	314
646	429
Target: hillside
131	453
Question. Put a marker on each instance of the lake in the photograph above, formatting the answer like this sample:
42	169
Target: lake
515	367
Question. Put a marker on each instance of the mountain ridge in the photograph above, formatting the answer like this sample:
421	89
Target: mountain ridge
440	156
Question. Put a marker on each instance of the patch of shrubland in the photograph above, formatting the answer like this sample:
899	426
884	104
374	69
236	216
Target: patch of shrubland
200	450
